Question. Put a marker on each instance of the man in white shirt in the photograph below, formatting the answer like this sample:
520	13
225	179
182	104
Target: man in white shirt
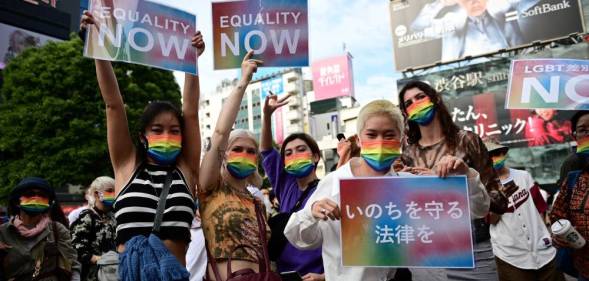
521	242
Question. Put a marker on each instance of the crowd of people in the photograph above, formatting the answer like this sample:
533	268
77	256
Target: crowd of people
167	215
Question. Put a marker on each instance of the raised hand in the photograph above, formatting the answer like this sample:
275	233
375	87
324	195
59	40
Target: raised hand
249	66
198	43
272	103
87	19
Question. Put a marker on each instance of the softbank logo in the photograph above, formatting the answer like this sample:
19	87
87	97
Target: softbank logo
537	10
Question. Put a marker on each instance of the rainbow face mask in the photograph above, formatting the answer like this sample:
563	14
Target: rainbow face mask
499	162
583	146
299	165
107	198
380	154
164	149
34	204
421	112
241	165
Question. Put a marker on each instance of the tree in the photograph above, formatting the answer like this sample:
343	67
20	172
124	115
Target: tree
52	117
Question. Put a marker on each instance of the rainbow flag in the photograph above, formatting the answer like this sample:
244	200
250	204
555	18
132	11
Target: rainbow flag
142	32
406	222
277	31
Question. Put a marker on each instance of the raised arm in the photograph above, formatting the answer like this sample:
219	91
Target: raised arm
211	164
270	105
190	157
120	144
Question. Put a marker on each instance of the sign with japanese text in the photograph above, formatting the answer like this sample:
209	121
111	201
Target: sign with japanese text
333	77
142	32
276	30
549	84
426	32
406	222
475	97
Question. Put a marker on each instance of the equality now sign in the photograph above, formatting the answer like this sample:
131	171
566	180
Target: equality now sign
142	32
406	222
549	83
276	30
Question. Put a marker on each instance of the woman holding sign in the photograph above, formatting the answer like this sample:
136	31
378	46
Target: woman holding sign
431	138
233	220
165	160
379	137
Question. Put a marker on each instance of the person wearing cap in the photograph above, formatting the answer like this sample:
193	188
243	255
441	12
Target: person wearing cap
35	244
574	206
521	242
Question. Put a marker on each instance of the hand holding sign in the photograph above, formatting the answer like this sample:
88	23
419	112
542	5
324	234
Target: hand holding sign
451	165
198	43
325	209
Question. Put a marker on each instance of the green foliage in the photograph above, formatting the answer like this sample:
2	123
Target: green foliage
52	117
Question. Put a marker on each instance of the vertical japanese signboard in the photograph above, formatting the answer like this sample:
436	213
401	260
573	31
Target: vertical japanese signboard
406	222
333	77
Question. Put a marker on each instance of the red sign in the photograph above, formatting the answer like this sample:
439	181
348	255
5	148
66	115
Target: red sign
333	77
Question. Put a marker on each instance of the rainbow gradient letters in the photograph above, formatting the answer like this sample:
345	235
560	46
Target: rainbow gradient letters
142	32
276	30
548	83
406	222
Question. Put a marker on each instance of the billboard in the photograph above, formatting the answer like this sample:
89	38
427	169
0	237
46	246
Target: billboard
429	31
14	40
333	77
276	30
549	84
468	93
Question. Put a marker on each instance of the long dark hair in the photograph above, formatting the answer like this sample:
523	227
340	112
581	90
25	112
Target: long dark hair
412	132
152	110
304	137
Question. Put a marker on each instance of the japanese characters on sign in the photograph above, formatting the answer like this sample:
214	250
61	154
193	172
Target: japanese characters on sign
475	97
332	77
142	32
549	83
406	222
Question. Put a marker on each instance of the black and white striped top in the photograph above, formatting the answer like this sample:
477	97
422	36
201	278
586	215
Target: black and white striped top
136	204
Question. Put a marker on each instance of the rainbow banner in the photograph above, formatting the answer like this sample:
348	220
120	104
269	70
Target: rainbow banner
406	222
548	83
276	30
142	32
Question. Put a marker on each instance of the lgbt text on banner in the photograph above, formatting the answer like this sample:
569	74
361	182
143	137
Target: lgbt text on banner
276	30
549	83
142	32
406	222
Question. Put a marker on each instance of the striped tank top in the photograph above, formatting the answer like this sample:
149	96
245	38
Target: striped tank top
136	204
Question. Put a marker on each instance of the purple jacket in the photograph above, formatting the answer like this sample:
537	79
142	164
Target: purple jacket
287	191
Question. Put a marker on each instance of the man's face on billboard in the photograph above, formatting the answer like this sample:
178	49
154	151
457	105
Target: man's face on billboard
474	8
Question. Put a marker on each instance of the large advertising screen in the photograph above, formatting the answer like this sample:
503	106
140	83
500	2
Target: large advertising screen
14	40
333	77
426	32
475	97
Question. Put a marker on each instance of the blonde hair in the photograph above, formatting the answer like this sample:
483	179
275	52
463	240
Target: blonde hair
254	179
383	108
98	185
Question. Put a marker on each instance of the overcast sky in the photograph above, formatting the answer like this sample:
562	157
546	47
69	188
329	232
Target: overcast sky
363	25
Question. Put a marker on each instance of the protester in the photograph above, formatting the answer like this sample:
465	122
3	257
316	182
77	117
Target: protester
431	135
93	233
35	243
75	214
231	214
379	131
347	149
571	204
170	146
292	176
521	242
573	162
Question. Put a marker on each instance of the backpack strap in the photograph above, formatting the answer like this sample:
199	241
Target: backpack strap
161	205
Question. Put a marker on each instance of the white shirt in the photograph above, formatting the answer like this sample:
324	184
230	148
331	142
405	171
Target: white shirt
520	238
196	256
75	214
306	232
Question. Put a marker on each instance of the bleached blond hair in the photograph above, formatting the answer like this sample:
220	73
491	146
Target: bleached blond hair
382	108
99	184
